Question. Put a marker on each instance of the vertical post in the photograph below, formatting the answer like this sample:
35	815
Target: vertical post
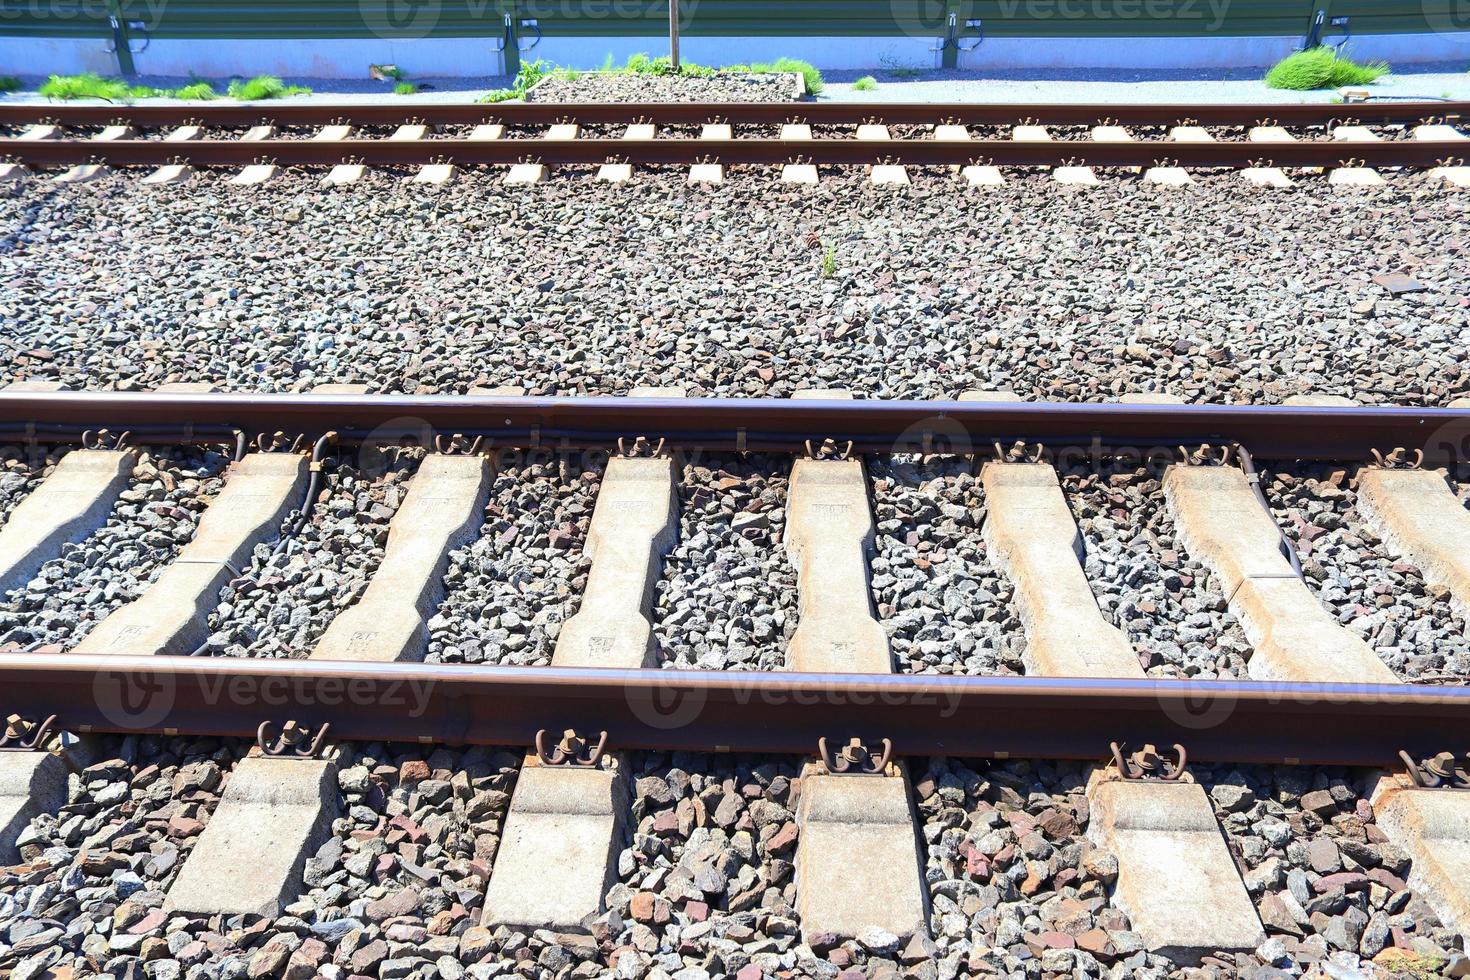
121	45
674	34
511	43
950	56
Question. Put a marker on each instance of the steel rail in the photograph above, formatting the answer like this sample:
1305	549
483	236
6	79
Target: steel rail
985	717
382	152
739	113
758	424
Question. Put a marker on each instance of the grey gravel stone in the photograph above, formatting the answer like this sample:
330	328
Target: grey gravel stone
629	87
944	607
727	599
282	603
574	286
509	590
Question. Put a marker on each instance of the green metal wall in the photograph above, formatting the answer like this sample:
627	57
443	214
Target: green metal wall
713	18
59	18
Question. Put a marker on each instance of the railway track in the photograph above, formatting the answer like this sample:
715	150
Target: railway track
859	863
1352	143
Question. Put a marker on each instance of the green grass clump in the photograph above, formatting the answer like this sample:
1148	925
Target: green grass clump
865	84
531	72
1318	68
263	87
405	88
9	83
91	86
787	65
194	92
642	64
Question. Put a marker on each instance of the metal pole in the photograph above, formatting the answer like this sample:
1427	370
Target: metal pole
121	43
674	34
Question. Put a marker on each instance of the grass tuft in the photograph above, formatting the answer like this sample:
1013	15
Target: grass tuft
865	84
531	72
405	88
91	86
1318	68
787	65
263	87
9	83
194	92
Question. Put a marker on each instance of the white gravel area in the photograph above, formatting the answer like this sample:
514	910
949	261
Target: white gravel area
1111	85
629	87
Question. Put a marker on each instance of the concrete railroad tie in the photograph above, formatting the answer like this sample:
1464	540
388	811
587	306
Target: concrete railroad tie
572	818
1176	879
829	527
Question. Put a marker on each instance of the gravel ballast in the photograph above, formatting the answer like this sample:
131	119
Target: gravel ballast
509	590
1145	583
704	885
21	471
945	608
728	597
1220	294
282	604
634	87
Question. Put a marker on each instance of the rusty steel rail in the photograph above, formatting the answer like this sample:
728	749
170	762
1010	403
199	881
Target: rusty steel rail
388	153
984	717
738	113
756	424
